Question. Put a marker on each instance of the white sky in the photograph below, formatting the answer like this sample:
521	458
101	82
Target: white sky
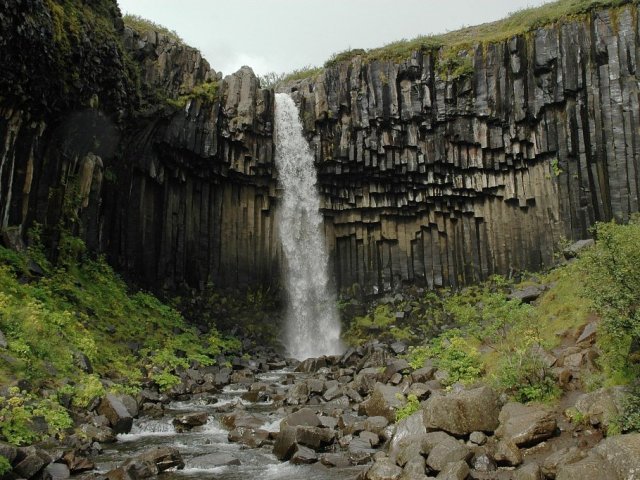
282	35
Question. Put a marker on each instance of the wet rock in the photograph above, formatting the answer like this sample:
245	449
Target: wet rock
454	471
213	460
384	469
525	425
311	365
383	402
408	430
339	460
251	437
56	471
314	437
285	444
186	422
119	417
464	412
77	463
241	418
303	417
304	456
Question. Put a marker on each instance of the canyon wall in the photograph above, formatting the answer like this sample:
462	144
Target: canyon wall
444	181
426	176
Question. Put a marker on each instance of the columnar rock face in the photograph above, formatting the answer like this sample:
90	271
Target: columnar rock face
424	178
446	181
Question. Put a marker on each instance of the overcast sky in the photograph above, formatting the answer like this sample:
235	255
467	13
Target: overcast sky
282	35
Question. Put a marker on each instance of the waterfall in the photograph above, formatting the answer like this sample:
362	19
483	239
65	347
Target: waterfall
312	322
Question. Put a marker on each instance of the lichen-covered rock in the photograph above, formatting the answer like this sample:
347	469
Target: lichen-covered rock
384	401
463	412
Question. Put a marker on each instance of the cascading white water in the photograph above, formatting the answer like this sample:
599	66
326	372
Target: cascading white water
312	325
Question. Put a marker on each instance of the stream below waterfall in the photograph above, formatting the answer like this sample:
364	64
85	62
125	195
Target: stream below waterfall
150	432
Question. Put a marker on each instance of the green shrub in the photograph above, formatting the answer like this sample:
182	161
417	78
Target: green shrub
523	373
612	281
5	465
143	25
629	418
452	353
18	410
409	408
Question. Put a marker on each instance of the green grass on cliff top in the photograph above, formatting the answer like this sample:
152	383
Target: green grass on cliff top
517	23
143	25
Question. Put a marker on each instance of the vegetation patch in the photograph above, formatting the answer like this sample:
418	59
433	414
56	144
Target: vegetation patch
143	25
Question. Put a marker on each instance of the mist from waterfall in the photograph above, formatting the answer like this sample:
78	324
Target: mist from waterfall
312	322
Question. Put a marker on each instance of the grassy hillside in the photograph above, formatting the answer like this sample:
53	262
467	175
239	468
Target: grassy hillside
74	328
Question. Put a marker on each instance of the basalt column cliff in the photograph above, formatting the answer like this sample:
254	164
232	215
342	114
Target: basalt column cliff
443	180
427	174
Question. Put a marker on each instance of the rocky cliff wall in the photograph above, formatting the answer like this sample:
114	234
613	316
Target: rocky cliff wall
444	181
425	178
103	137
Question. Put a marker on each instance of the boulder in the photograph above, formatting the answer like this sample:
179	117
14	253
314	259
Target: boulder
454	471
564	456
478	438
622	454
507	454
591	468
56	471
251	437
397	366
410	427
312	365
303	456
384	469
314	437
188	421
530	471
285	444
303	417
77	463
148	464
383	402
32	463
575	248
8	451
423	374
119	417
463	412
601	406
525	425
444	449
527	294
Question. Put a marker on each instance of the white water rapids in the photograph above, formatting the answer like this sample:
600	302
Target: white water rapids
312	323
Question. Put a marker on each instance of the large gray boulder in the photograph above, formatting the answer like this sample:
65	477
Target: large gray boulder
384	401
525	425
601	406
622	454
443	449
463	412
119	417
407	431
384	469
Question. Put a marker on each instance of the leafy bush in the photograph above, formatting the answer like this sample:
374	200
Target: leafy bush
523	372
409	408
629	418
612	280
18	411
5	465
452	353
